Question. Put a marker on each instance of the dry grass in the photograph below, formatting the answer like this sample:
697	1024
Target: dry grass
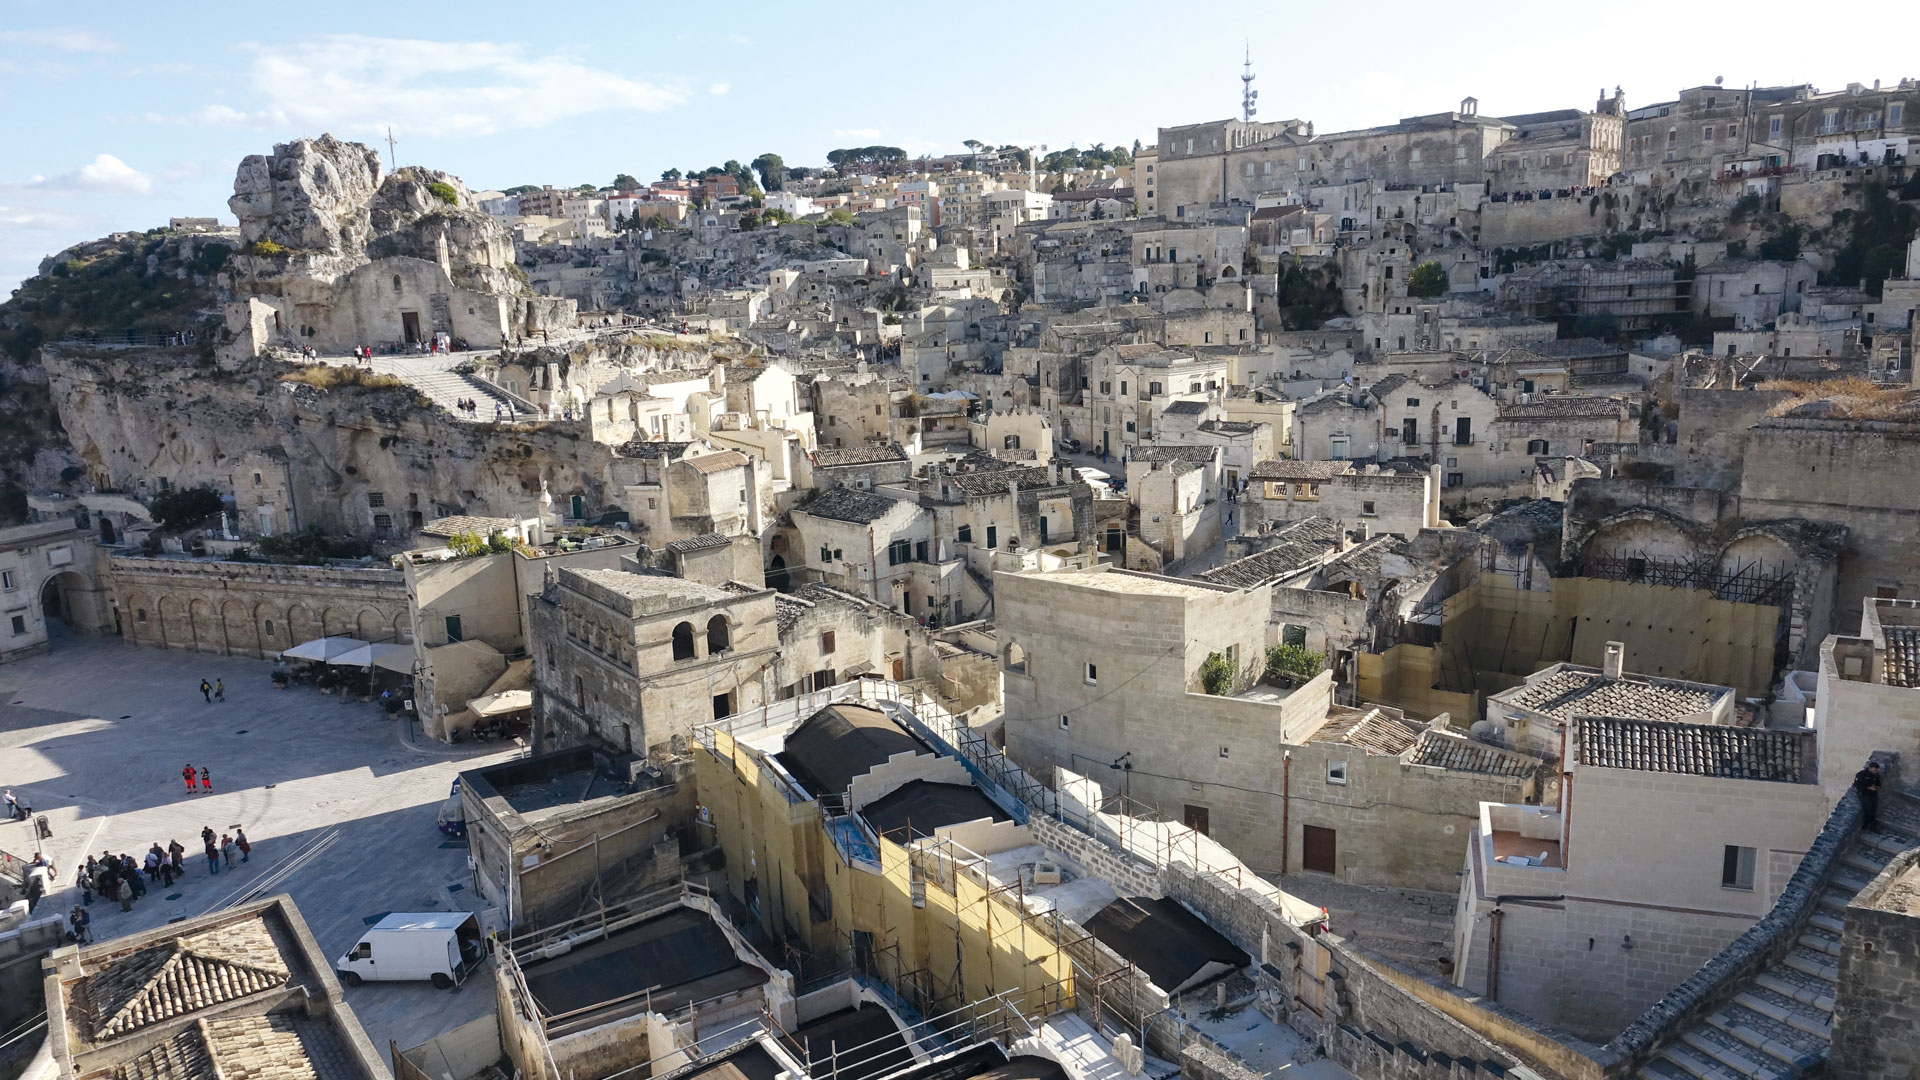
328	376
1851	398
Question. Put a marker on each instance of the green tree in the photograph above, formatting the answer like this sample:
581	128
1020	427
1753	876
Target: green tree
800	172
1428	280
670	175
776	216
750	220
183	508
1216	674
1784	244
1292	664
626	182
772	170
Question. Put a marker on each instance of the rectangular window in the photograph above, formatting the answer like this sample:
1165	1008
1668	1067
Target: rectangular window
1123	388
826	555
920	551
993	536
383	524
1336	772
8	581
826	641
964	534
1366	509
1065	723
1896	113
453	629
1153	389
1773	129
1093	674
1736	868
899	551
19	625
376	498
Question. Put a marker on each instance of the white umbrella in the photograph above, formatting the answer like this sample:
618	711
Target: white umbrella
392	657
325	648
504	702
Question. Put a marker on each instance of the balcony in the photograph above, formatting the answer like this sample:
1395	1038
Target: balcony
1519	844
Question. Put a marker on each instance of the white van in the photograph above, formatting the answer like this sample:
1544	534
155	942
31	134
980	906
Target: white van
442	946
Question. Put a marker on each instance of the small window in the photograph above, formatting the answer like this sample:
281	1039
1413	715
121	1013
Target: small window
1223	753
1366	509
964	534
1093	674
140	615
826	555
19	625
1736	868
1413	403
376	498
1337	772
453	629
8	581
1065	723
826	642
256	479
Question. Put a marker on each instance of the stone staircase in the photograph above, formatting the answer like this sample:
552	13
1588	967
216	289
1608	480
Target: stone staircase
447	388
1779	1025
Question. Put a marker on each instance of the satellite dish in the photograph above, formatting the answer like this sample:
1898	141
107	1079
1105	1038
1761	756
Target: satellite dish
1719	79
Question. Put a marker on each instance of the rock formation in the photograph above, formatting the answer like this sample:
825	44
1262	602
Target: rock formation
308	195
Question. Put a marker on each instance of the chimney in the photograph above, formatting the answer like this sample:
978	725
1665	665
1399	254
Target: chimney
1615	660
1361	533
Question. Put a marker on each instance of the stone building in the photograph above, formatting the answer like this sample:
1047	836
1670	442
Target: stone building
1367	794
1876	1022
828	636
1368	499
629	660
679	490
1586	911
52	572
878	546
254	608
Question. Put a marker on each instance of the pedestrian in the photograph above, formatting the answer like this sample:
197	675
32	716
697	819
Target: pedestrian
213	854
206	690
190	776
13	806
162	866
228	849
130	872
240	841
151	864
1867	783
179	853
79	920
88	875
219	690
206	782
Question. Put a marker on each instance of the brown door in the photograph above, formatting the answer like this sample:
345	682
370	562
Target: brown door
1196	819
410	325
899	669
1316	852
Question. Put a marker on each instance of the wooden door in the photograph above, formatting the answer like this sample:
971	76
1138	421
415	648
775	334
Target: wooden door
1316	849
1196	818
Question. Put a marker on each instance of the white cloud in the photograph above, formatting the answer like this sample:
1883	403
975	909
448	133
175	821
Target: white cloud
105	173
356	85
59	40
719	88
856	133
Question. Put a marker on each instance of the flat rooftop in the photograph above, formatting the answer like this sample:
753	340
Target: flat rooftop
1130	581
536	786
683	956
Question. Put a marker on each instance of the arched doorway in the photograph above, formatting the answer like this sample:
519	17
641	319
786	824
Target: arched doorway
65	603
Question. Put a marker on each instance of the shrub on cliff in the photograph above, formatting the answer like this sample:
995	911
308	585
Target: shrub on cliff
443	191
183	508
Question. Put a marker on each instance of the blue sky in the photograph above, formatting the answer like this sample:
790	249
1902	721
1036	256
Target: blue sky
117	116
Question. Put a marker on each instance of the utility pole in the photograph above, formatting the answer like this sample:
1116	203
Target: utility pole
393	158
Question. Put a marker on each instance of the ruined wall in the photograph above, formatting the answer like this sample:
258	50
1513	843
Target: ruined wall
1711	434
137	417
254	609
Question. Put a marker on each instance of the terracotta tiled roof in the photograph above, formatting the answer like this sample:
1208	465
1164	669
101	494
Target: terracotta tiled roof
1903	655
1162	453
703	542
848	504
865	454
1611	742
181	977
713	463
1572	692
1452	750
1371	730
1305	542
1289	469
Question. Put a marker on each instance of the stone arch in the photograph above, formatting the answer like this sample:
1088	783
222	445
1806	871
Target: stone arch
402	628
270	629
370	625
174	628
1625	543
719	635
71	598
1014	658
301	625
334	623
237	631
683	647
203	628
140	620
1753	549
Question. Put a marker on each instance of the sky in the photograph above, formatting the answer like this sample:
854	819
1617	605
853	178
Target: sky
117	116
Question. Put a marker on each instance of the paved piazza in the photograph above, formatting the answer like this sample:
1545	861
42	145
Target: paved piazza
94	735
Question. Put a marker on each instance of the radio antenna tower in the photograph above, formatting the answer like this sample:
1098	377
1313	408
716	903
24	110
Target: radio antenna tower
1248	95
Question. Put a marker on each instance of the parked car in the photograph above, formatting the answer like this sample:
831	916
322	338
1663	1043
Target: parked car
1069	446
443	947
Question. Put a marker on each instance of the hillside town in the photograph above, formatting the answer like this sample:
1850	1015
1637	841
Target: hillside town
1436	600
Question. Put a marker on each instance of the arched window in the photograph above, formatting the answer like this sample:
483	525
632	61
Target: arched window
683	641
1016	658
396	284
718	636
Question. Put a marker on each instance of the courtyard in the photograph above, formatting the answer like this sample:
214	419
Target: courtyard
339	802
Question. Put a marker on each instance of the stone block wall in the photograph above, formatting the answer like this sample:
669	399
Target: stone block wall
254	609
1876	1028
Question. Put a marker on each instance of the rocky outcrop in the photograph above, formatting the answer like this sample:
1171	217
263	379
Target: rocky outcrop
308	195
142	416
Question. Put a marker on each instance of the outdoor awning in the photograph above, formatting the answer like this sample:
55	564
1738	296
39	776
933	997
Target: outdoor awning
325	648
504	702
392	657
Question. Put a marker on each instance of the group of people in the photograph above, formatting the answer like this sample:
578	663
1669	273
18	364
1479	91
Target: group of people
183	337
121	879
213	691
472	407
203	781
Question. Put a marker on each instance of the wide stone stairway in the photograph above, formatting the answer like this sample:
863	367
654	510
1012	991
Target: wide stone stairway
1779	1026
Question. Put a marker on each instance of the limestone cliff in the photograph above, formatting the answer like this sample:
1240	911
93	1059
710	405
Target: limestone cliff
136	417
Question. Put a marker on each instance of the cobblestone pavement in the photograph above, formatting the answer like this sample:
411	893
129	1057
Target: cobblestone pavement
94	734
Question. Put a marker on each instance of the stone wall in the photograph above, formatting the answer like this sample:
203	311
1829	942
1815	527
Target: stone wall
1539	221
254	609
1876	1026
